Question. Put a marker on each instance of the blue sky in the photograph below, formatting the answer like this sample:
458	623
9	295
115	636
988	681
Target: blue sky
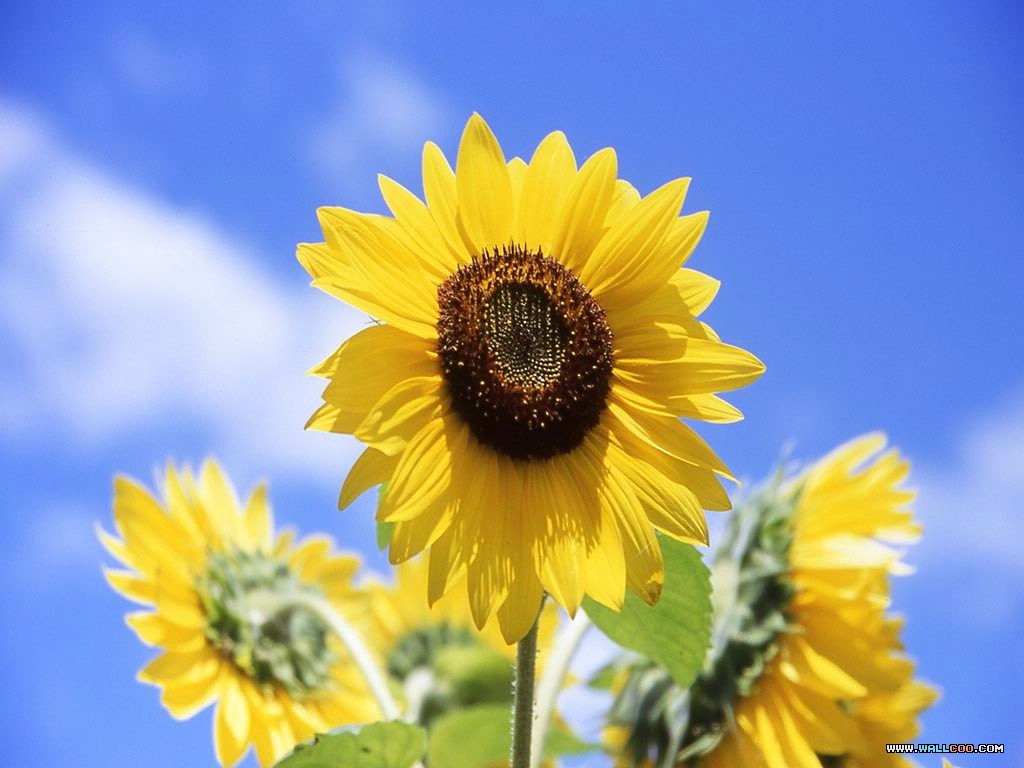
863	168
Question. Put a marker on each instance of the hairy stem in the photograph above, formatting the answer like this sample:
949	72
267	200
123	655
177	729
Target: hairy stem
523	704
551	682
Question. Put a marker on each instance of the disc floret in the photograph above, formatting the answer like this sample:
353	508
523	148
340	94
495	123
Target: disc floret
526	352
251	622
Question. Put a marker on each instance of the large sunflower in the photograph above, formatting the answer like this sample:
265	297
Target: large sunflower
434	655
537	342
205	567
805	659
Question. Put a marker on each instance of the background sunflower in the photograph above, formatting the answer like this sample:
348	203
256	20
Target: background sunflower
205	567
805	659
435	656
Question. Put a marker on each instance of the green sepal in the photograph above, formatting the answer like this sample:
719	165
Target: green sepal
384	531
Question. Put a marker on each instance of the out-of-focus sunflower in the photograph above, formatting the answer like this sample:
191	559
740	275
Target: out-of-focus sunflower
216	584
538	342
889	716
434	655
803	653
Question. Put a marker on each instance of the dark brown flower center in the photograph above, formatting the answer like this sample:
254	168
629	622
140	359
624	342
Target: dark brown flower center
526	352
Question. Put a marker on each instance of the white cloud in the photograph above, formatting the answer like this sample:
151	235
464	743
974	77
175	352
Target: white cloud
973	512
122	313
380	115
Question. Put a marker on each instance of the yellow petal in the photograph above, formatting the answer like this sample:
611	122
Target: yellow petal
696	289
138	588
668	435
410	537
704	367
184	699
623	200
439	191
400	413
520	609
363	370
424	470
545	185
319	259
445	563
153	539
231	723
497	487
258	521
370	469
385	280
586	204
483	187
421	233
625	261
645	572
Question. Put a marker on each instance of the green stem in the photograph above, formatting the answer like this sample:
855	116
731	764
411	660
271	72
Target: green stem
555	669
522	706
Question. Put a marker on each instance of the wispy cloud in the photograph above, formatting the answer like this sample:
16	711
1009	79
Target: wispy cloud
122	313
378	116
973	510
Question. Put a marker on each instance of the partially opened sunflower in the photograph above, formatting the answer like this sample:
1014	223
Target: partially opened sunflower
537	341
434	655
806	668
211	575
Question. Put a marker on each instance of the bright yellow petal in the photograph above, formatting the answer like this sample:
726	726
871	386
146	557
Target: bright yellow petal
545	186
418	229
385	280
370	469
440	194
483	187
424	471
363	370
231	723
625	261
586	204
400	413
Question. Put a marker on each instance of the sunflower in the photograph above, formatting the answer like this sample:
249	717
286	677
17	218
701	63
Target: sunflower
804	658
434	655
204	567
890	716
537	342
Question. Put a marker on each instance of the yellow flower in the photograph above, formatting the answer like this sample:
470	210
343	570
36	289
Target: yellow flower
434	654
828	673
538	341
890	716
208	571
804	660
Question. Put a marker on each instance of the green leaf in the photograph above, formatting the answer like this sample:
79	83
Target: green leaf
384	534
378	745
676	631
562	741
480	737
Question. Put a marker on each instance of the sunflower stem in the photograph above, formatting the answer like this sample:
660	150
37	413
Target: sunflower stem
555	670
523	699
353	644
